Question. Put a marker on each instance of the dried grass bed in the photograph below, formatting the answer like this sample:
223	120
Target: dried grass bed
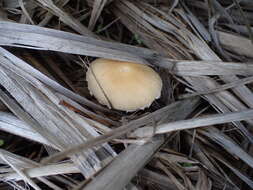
55	135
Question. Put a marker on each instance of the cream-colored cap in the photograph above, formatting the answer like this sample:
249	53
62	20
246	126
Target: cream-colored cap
125	86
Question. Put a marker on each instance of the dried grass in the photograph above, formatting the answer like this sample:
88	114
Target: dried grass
200	48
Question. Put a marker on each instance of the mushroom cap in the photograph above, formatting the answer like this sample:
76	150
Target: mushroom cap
125	86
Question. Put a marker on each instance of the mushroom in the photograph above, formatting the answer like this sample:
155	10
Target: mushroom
123	85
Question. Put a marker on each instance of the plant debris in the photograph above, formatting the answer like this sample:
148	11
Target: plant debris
55	135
